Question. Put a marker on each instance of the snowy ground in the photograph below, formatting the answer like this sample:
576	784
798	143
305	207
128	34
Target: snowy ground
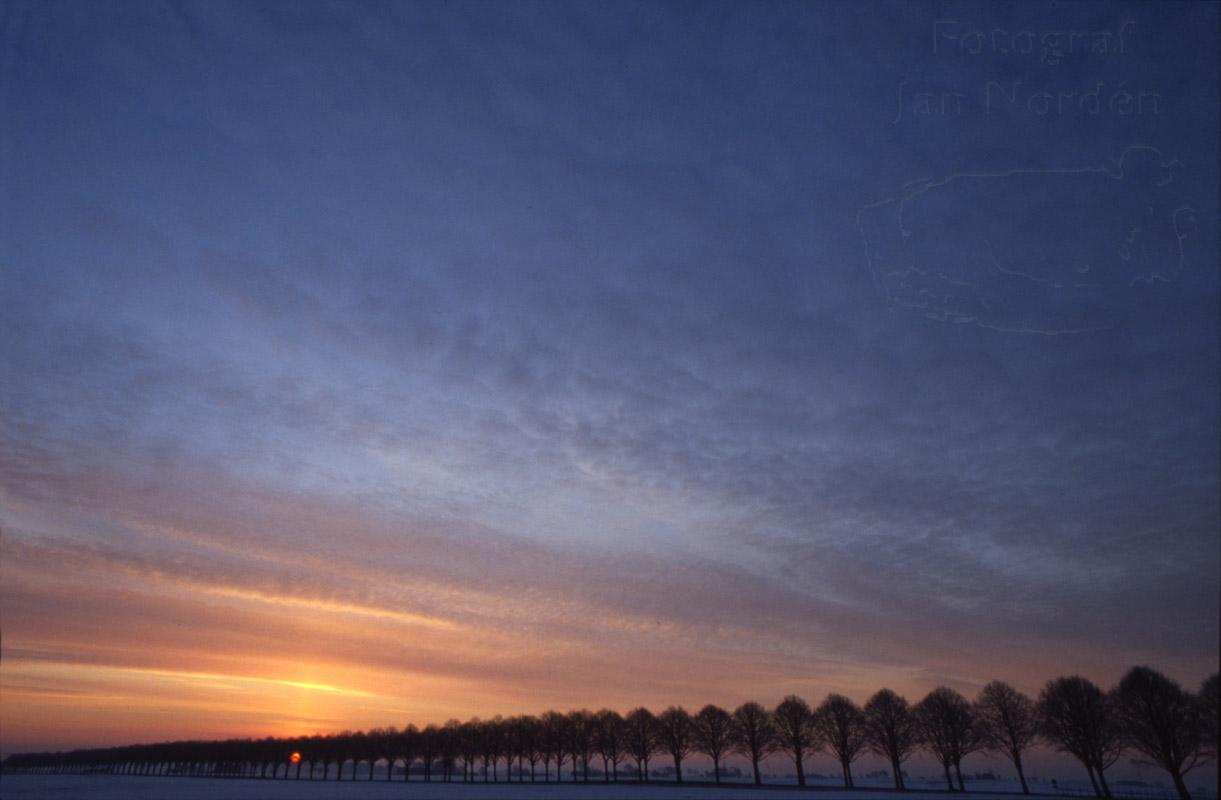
19	787
115	787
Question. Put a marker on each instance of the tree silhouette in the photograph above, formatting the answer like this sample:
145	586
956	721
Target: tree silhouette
493	739
1010	723
530	735
331	751
795	733
428	750
609	738
891	730
840	725
1160	720
713	734
468	748
675	732
299	745
949	728
1147	712
754	734
342	750
405	744
553	744
448	744
642	739
364	748
317	750
1209	702
1078	719
580	741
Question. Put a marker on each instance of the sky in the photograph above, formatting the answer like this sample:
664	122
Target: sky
374	363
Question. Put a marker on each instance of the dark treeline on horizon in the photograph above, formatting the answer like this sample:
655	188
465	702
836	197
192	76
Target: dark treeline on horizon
1146	713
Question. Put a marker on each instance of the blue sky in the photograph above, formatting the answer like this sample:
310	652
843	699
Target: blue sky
799	342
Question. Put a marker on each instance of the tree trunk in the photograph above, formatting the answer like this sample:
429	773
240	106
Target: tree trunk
678	769
949	782
801	770
958	774
1017	762
1180	785
1102	779
1093	781
898	774
716	769
754	765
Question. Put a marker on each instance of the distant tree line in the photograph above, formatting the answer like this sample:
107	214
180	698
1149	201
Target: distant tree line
1146	713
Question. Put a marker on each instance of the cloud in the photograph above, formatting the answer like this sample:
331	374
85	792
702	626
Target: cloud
338	331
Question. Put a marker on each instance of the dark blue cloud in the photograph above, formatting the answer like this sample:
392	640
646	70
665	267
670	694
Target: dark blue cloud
776	292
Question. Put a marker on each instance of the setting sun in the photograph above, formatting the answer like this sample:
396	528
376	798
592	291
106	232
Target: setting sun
553	391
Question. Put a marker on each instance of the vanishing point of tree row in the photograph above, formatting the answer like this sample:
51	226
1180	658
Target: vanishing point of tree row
1146	713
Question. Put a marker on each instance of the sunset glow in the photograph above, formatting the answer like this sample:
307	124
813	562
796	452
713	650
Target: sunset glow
366	365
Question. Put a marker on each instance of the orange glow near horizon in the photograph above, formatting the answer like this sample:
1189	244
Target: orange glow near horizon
228	638
366	365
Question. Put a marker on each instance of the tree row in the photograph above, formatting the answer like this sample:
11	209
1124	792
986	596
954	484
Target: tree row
1146	713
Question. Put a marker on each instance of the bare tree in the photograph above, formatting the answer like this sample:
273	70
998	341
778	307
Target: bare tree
892	731
949	728
531	737
795	734
1146	712
1209	702
428	750
714	735
580	741
840	725
449	743
469	746
609	737
754	734
489	747
1010	723
342	750
1078	719
553	744
641	739
384	745
1161	720
675	729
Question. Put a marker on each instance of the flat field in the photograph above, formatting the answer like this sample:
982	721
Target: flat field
120	787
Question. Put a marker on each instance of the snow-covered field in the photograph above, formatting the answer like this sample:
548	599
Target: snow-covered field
20	787
114	787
